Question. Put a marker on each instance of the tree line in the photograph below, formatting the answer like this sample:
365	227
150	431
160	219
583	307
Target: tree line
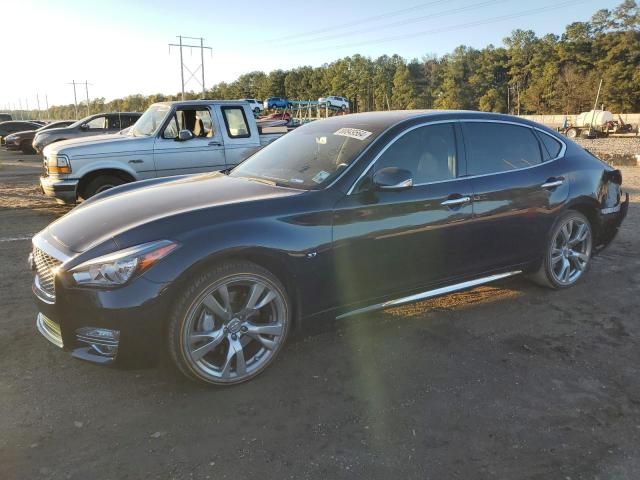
526	75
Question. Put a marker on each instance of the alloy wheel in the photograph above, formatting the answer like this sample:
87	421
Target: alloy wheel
234	328
570	251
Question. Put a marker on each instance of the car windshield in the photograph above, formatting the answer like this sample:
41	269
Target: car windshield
149	122
77	123
311	156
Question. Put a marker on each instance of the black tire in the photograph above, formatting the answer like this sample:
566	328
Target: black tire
546	276
572	133
256	111
27	148
100	184
191	299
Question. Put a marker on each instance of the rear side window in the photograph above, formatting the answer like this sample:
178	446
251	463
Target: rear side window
114	122
236	122
428	152
499	147
552	146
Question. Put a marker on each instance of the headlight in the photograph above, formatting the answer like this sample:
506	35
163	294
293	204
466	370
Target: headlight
58	164
11	138
117	268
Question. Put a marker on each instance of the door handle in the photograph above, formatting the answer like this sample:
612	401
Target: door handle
553	183
214	144
456	201
136	161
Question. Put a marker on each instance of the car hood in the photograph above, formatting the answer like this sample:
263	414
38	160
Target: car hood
88	145
24	133
130	206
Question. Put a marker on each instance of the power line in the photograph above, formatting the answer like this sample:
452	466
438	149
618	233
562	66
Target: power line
452	27
404	22
341	26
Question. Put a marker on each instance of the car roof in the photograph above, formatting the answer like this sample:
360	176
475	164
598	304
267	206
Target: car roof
380	120
187	103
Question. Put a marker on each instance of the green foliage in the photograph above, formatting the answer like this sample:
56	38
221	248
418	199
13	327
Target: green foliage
528	75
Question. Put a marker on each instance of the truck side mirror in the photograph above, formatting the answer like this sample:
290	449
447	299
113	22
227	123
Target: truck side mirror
184	135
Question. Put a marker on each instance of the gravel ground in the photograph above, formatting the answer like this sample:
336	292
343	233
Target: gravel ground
507	381
617	150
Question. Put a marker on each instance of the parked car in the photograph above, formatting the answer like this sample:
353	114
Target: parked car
335	102
13	126
256	105
97	124
171	138
23	140
276	102
341	216
5	117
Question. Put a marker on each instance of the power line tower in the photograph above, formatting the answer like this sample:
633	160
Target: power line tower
183	67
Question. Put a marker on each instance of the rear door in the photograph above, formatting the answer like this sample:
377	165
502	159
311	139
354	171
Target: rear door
517	189
240	136
389	242
202	153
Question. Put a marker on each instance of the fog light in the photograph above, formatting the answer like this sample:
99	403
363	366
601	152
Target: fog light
101	340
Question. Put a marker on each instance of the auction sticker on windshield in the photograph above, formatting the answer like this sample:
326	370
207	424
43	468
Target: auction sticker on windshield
353	133
321	176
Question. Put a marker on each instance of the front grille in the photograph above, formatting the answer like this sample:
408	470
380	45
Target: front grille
46	267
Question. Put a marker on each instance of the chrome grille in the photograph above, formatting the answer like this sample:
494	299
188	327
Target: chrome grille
46	266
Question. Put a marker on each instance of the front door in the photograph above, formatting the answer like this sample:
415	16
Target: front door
518	192
204	152
390	242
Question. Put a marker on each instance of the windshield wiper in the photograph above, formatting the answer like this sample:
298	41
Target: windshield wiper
262	180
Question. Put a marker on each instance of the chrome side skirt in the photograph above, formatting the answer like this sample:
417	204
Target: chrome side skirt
430	293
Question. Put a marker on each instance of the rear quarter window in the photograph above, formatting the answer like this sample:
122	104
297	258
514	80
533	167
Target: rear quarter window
552	146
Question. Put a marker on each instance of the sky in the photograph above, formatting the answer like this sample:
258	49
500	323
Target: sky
120	47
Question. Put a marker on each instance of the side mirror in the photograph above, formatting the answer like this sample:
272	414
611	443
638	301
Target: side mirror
84	126
184	135
392	178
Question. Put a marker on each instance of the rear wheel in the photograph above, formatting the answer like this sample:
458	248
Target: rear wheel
229	324
568	252
100	184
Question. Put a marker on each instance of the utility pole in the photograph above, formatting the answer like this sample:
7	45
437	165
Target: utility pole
75	97
86	89
46	99
183	67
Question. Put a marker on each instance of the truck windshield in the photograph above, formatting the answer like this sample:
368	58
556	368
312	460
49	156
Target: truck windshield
311	156
149	122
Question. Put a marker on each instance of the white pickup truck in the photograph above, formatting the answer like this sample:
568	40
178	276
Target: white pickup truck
171	138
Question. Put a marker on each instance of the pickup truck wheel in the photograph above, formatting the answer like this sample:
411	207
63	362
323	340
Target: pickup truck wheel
100	184
568	253
572	133
229	324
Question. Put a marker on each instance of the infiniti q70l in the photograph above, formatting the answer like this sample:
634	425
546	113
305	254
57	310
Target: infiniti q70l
339	217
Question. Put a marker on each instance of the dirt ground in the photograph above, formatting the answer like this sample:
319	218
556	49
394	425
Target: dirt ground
508	381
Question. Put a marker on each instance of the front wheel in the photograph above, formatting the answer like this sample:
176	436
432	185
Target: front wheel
229	324
568	252
26	147
100	184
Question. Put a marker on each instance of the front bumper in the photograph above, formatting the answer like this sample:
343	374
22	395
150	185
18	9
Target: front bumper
64	191
105	326
12	144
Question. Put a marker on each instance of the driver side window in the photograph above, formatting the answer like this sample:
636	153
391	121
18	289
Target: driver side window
97	123
428	152
198	121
